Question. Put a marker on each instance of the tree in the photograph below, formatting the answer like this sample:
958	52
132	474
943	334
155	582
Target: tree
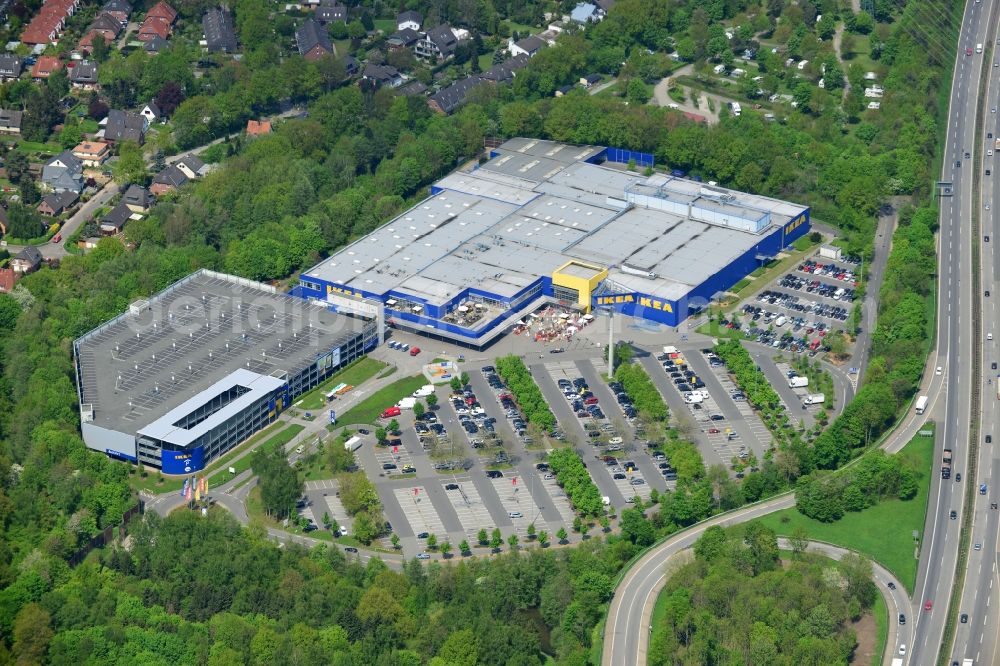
496	540
130	166
23	222
465	379
543	538
28	191
636	92
32	633
432	542
418	410
463	547
40	114
446	549
171	96
394	540
530	531
456	384
17	166
561	535
97	109
482	537
512	541
10	310
393	426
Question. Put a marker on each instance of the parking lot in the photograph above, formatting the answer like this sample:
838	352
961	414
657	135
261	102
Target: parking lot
762	438
332	502
472	511
397	456
559	500
518	503
419	511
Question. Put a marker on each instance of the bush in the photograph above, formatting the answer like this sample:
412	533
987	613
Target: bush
639	387
576	481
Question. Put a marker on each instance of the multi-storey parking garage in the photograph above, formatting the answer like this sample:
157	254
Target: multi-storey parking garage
184	376
543	222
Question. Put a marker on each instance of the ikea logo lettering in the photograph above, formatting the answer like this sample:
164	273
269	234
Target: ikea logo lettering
643	301
339	290
795	224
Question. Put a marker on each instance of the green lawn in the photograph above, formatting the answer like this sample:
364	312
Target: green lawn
279	439
388	26
881	613
355	374
369	409
884	532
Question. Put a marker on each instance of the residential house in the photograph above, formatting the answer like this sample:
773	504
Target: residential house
158	22
154	44
590	80
48	22
119	9
438	43
505	71
528	46
447	100
44	66
564	90
605	5
192	166
586	12
113	223
382	75
125	126
10	121
93	153
138	199
56	204
83	75
258	127
404	39
408	20
167	180
220	36
330	13
8	278
27	260
151	112
412	89
351	66
62	173
86	45
313	40
105	25
551	33
11	66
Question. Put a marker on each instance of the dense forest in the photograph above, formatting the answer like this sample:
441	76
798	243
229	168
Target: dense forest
204	591
740	602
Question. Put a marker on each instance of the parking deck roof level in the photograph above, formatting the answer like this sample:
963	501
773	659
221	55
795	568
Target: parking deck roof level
146	362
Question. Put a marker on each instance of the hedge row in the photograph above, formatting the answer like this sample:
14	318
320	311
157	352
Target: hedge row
519	380
576	481
637	384
753	382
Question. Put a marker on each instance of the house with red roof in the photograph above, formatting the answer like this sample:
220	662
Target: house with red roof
258	127
158	22
44	66
50	20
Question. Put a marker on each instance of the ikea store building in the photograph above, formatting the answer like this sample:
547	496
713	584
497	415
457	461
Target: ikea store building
543	222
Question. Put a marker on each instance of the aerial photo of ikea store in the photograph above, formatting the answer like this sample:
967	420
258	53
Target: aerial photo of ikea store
543	222
182	377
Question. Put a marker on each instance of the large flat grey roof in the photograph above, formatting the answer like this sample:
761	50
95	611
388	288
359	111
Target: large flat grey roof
538	204
141	365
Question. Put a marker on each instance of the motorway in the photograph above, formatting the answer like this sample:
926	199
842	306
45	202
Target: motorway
977	638
626	635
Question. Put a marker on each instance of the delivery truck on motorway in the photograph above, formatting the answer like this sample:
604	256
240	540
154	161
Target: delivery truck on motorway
921	404
946	464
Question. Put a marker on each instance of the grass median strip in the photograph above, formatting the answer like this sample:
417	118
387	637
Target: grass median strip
355	374
371	407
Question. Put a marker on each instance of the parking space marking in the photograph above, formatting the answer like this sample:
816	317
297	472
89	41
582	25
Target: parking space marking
469	506
516	499
396	455
419	511
321	484
801	393
337	511
628	490
757	427
559	499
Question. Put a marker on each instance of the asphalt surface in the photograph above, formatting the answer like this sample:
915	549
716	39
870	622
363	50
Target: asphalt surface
977	637
626	632
939	546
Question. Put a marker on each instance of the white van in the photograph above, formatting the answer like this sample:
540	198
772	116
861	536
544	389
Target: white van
780	321
979	48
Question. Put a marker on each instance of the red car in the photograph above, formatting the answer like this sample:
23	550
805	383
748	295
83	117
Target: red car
968	51
414	351
928	605
592	400
713	431
389	413
57	238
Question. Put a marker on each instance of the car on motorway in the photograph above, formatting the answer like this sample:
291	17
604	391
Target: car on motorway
423	556
978	546
982	489
953	515
902	619
891	585
902	650
963	618
968	51
928	605
937	371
